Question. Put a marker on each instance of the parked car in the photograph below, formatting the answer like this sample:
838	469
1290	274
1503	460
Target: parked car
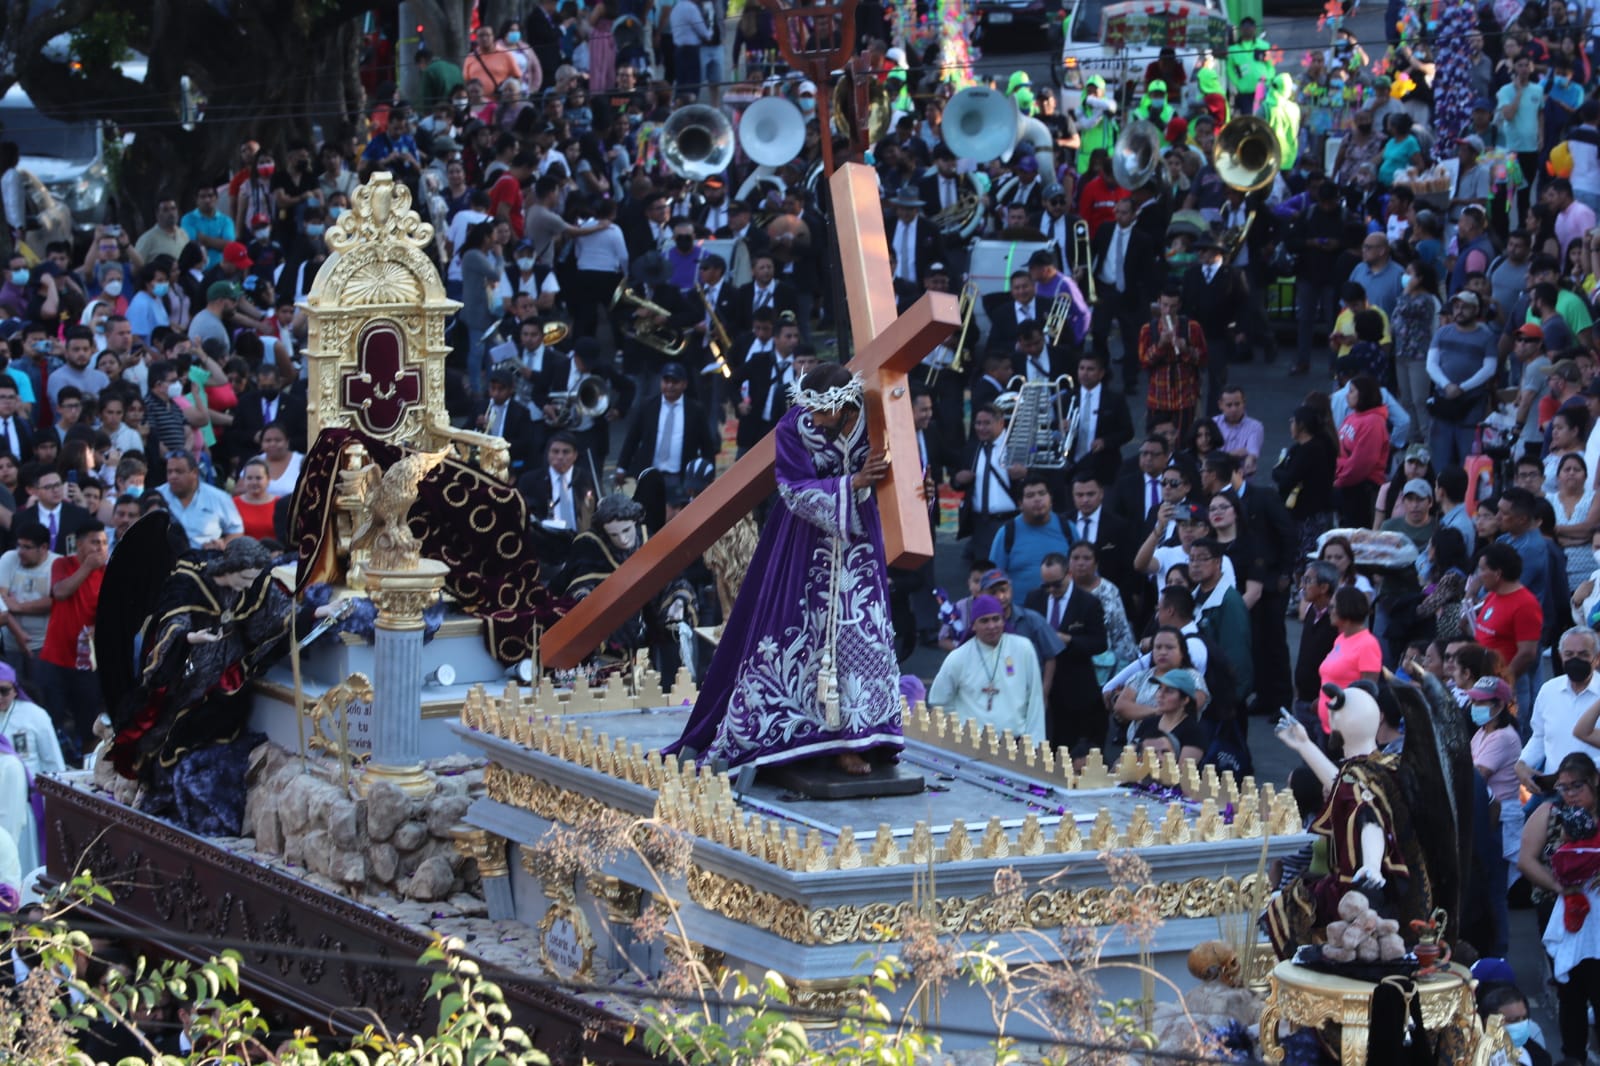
69	158
1030	22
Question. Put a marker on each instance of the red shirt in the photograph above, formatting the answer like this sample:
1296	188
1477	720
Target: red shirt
1351	657
507	191
68	617
1097	202
1502	622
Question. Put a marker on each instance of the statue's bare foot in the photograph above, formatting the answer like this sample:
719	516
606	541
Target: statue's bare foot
851	763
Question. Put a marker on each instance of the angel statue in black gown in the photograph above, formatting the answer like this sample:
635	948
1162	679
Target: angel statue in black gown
179	706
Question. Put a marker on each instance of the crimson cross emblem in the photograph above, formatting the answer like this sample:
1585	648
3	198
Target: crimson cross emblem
384	386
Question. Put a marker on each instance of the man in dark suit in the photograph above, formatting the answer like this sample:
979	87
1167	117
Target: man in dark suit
1215	295
1104	424
1074	708
1008	310
559	491
652	232
750	343
764	290
721	295
1136	495
267	402
914	240
999	366
943	189
764	388
16	432
540	371
502	416
669	432
49	508
992	486
652	282
739	229
711	213
1113	536
1124	263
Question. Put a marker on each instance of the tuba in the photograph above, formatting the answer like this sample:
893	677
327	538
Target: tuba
1137	155
1039	432
980	124
697	142
1247	158
844	108
662	338
772	131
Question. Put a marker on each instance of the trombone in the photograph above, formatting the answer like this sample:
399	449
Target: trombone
1083	255
1056	320
968	307
719	341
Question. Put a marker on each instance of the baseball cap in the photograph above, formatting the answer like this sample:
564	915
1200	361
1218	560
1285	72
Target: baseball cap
235	254
1028	164
223	290
675	372
1465	297
1182	680
1420	453
992	578
260	219
1417	487
1473	141
937	268
1483	103
1157	86
1530	330
1490	688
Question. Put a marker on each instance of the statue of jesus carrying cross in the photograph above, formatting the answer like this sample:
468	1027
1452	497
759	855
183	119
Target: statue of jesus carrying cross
818	584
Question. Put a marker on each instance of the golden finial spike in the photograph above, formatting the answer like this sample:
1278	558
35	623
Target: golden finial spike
1030	841
1175	827
995	844
1210	827
921	849
957	844
1067	838
885	852
1094	775
815	857
1103	836
846	855
1141	834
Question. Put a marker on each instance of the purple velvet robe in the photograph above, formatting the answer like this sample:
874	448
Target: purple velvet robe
759	701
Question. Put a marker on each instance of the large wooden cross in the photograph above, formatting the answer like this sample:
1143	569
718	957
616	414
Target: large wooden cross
888	347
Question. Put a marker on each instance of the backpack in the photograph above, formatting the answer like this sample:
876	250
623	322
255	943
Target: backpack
1010	533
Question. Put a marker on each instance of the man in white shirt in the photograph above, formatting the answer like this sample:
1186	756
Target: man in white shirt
25	591
602	258
1556	709
994	678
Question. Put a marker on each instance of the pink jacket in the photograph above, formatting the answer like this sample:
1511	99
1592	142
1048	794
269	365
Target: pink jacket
1363	447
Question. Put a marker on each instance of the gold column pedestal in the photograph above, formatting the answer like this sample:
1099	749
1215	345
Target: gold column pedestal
401	595
1309	999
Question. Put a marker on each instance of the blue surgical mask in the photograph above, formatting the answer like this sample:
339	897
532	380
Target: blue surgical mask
1519	1032
808	104
133	490
19	277
1481	713
336	212
161	288
315	229
514	37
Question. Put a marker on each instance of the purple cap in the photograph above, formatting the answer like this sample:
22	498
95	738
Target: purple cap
983	606
1490	688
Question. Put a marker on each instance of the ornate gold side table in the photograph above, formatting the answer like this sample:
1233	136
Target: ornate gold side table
1308	999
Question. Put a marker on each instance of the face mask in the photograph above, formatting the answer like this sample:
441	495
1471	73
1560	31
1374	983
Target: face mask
19	277
161	289
1577	670
313	202
43	348
1336	85
514	37
524	264
1519	1032
133	490
266	170
315	229
808	104
460	107
270	394
1481	713
261	234
684	243
174	390
113	288
100	327
336	212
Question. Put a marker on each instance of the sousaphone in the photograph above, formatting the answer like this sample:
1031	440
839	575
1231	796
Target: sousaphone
697	142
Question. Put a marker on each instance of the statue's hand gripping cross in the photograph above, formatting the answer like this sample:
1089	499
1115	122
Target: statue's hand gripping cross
892	346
